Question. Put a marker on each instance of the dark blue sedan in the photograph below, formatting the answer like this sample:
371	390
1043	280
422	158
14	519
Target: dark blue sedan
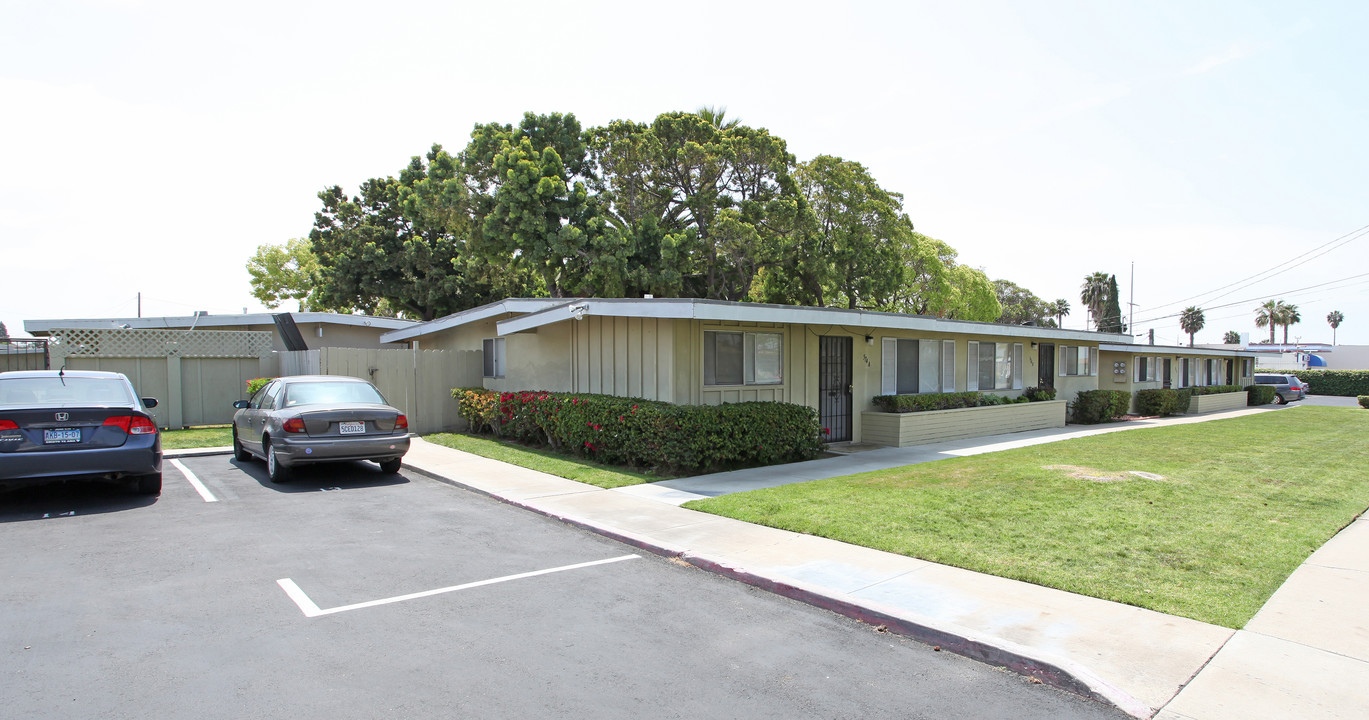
58	425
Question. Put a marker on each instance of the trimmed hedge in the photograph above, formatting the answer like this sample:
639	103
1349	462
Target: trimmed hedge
1364	401
1168	401
926	402
1344	383
1095	406
648	433
1215	389
1259	394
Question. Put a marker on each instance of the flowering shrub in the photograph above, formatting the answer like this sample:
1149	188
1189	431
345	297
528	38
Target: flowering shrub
648	433
256	384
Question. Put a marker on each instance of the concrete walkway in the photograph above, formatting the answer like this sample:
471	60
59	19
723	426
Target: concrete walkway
1305	655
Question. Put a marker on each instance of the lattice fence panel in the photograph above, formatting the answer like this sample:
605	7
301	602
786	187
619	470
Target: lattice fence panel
122	343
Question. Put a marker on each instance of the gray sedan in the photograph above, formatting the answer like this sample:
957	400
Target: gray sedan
318	418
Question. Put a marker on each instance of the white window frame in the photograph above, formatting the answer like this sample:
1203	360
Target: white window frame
1147	368
1008	365
494	358
750	340
935	364
1080	353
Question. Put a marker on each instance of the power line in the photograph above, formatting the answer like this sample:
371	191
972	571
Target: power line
1277	269
1241	302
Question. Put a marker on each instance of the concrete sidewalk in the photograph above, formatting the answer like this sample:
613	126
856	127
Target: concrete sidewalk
1305	655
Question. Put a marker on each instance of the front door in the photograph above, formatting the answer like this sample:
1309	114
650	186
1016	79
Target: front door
1169	368
834	387
1045	363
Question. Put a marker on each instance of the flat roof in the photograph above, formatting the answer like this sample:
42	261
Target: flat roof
1140	349
536	312
180	322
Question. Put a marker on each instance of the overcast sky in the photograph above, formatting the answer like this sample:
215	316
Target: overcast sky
153	146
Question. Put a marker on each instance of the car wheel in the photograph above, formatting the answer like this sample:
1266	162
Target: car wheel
1278	399
239	452
274	469
391	466
150	484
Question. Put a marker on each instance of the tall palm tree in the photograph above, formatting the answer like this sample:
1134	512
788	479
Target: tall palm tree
1231	338
1094	295
1060	308
1290	316
1191	320
1333	318
1269	314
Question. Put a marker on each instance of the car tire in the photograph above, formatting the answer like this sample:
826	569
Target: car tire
1278	399
274	468
239	452
391	466
149	484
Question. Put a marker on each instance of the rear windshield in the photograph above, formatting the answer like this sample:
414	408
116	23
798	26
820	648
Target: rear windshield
1270	379
328	393
72	391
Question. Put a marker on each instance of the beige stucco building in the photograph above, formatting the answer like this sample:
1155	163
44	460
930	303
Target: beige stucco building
690	351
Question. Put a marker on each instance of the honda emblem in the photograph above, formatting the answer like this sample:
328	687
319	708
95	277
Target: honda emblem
63	417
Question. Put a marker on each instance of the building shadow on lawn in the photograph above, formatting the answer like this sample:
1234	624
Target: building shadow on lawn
328	476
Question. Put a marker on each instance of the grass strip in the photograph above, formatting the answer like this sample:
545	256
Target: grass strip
552	463
197	437
1228	510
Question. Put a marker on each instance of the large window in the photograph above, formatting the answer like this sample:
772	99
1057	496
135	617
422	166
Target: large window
1078	360
494	357
917	366
993	366
743	358
1147	368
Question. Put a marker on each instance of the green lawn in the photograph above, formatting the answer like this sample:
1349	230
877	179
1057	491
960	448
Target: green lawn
585	471
199	437
1238	505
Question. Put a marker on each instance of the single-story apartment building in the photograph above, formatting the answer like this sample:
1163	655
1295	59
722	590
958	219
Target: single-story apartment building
693	351
1133	367
289	330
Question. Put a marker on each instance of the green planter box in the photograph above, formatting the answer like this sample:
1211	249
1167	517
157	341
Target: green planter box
924	428
1216	403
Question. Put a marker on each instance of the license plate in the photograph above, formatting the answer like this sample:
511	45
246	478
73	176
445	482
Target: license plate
351	428
61	436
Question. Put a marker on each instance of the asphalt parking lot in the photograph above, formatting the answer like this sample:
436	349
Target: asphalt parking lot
351	593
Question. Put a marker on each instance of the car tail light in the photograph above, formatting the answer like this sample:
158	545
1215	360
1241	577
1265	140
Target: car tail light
132	424
401	422
8	425
293	425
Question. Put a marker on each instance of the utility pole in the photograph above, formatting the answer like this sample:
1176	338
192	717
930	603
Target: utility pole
1131	304
140	303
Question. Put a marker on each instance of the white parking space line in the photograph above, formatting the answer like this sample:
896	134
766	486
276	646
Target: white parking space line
195	482
310	609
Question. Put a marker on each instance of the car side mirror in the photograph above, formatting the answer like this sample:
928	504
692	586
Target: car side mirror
149	402
241	404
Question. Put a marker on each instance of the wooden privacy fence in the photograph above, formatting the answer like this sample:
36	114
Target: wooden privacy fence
194	374
418	382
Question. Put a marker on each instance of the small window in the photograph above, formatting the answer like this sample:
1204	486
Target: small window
737	358
994	366
494	357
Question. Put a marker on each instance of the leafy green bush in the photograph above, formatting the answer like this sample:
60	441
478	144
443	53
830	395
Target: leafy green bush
256	384
1215	389
1163	402
1259	394
1038	394
1095	406
1344	383
1363	401
927	401
648	433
